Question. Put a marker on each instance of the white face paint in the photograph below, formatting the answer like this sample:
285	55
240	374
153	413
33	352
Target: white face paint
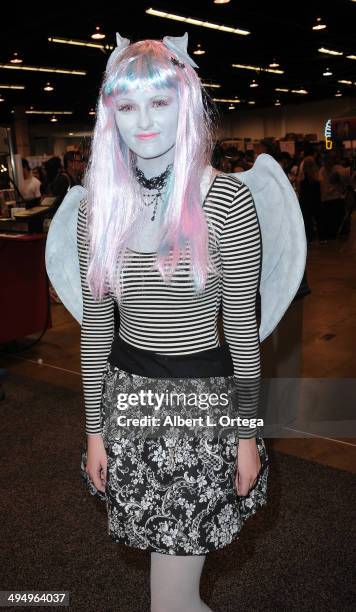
147	121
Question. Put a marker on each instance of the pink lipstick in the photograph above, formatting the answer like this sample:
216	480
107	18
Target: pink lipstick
146	136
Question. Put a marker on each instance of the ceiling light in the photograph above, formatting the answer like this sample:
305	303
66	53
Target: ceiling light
327	72
45	112
48	87
299	91
16	59
197	22
227	100
225	1
97	34
277	103
253	83
344	82
199	50
257	68
231	107
330	51
338	93
54	119
40	69
12	86
80	43
273	64
281	89
214	85
251	102
70	133
92	112
351	57
320	25
2	99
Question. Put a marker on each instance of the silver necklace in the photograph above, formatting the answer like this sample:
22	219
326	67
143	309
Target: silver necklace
156	182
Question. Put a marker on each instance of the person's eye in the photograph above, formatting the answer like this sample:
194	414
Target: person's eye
160	102
124	108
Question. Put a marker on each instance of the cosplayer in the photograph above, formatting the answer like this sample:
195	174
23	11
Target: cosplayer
159	232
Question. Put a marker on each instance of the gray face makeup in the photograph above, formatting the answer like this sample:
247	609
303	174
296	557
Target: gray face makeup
147	120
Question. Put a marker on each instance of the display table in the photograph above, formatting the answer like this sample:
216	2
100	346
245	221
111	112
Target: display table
23	286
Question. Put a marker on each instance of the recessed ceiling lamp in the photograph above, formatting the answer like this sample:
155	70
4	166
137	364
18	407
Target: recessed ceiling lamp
97	34
338	93
2	99
221	1
92	112
299	91
327	72
213	85
258	68
227	100
330	51
273	64
16	59
231	107
47	112
54	119
199	50
253	83
48	87
12	86
41	69
79	43
197	22
319	25
345	82
251	102
277	103
353	57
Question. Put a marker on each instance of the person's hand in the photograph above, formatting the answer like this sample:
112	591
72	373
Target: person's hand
97	461
248	465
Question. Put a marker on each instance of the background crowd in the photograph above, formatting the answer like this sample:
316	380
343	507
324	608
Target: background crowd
324	181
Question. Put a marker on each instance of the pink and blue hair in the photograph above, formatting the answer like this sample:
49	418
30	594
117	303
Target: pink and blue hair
113	192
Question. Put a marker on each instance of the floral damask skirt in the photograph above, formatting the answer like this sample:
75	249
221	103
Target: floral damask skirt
172	460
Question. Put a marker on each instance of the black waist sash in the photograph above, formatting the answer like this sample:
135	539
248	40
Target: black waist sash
203	364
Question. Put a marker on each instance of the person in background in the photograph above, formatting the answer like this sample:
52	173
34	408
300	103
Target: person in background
249	158
31	186
334	179
40	174
52	167
310	198
66	179
82	167
240	164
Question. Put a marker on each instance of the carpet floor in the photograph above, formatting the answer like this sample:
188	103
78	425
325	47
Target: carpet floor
297	553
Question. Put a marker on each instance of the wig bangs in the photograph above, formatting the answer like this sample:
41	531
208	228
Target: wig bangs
142	71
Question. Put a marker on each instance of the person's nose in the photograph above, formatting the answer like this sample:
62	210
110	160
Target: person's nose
144	118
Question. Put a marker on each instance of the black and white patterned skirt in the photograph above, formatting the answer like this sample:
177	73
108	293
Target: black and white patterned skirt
172	458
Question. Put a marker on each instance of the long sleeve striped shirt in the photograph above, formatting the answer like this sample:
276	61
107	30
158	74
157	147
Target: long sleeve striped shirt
171	318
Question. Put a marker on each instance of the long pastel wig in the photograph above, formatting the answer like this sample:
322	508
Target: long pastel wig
113	192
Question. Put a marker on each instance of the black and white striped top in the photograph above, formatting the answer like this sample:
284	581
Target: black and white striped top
173	319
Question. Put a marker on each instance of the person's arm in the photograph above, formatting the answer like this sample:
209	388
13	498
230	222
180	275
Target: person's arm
241	251
97	333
